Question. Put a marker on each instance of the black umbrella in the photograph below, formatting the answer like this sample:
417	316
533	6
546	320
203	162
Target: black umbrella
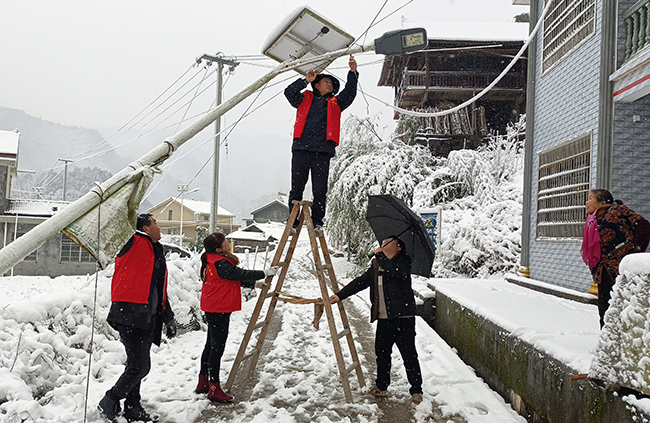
390	216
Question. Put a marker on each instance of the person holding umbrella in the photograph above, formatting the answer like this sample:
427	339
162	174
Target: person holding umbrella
393	306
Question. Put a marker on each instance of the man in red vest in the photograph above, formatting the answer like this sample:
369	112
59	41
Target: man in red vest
316	132
139	308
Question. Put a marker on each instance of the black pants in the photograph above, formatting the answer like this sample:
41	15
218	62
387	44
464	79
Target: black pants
302	163
137	343
604	295
400	332
215	345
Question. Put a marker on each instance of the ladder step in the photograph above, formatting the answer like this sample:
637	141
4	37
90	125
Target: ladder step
249	355
259	325
270	294
352	367
343	333
327	266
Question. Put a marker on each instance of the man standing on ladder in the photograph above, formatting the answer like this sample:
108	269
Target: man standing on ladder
316	133
139	308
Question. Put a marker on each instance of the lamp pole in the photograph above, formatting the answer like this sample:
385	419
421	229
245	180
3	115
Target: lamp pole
183	189
214	204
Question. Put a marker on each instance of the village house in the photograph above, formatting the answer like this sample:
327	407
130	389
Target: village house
175	216
452	69
58	255
588	126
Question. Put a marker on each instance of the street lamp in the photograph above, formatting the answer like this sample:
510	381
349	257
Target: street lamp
183	189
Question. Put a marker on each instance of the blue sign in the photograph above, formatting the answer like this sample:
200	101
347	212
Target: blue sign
431	218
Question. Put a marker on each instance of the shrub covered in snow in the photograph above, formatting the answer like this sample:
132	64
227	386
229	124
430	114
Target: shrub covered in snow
479	191
45	341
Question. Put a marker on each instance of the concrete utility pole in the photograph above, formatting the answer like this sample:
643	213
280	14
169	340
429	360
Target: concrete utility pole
214	204
65	175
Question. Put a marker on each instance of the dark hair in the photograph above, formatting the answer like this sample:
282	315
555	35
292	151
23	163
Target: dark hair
144	219
212	244
604	195
400	243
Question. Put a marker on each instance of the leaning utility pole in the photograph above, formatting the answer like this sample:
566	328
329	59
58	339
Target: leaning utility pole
214	204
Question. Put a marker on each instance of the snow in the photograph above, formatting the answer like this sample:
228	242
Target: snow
45	338
204	207
622	356
9	143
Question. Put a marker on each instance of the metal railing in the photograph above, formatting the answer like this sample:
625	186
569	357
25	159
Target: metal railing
637	28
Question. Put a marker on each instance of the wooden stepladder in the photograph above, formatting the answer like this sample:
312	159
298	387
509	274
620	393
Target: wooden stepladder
302	212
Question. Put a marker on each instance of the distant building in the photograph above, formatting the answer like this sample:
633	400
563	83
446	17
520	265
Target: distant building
451	70
257	236
58	255
275	211
194	213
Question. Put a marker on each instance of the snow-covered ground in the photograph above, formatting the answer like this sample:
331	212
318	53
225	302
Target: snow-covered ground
45	333
46	328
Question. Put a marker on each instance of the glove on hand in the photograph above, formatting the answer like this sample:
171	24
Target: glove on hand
171	329
271	271
260	284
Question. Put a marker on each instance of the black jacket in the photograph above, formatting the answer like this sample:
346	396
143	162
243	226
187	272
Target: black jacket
247	278
398	294
148	316
315	132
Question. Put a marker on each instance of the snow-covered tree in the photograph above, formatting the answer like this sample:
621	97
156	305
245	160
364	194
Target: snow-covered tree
479	191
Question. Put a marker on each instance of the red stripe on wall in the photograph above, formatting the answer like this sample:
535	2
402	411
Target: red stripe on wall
632	85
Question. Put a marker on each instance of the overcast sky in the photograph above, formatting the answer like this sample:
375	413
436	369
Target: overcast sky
98	63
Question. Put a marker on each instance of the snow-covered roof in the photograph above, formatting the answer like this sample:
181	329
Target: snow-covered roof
269	229
282	203
196	206
9	144
204	207
45	208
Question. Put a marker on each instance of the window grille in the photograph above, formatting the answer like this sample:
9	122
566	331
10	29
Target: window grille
33	256
563	188
72	252
568	24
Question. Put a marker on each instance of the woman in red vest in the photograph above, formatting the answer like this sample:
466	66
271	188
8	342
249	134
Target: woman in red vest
220	296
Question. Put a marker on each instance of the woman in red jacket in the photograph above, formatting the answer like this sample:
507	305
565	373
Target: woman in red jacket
220	296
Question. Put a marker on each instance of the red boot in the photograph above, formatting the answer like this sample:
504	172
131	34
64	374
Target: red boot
217	394
203	386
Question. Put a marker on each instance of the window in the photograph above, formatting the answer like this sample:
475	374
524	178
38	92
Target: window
567	25
33	256
170	215
205	217
72	252
563	188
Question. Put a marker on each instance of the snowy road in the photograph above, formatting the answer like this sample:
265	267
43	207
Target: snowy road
296	379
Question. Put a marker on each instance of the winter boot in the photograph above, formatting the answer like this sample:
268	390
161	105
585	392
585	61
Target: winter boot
217	394
109	408
203	386
135	413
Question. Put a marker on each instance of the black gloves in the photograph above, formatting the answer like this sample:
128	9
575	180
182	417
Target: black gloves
171	329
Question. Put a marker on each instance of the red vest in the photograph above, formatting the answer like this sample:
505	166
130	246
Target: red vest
219	295
133	271
333	117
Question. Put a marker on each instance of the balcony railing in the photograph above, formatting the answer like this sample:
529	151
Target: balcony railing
637	28
452	80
